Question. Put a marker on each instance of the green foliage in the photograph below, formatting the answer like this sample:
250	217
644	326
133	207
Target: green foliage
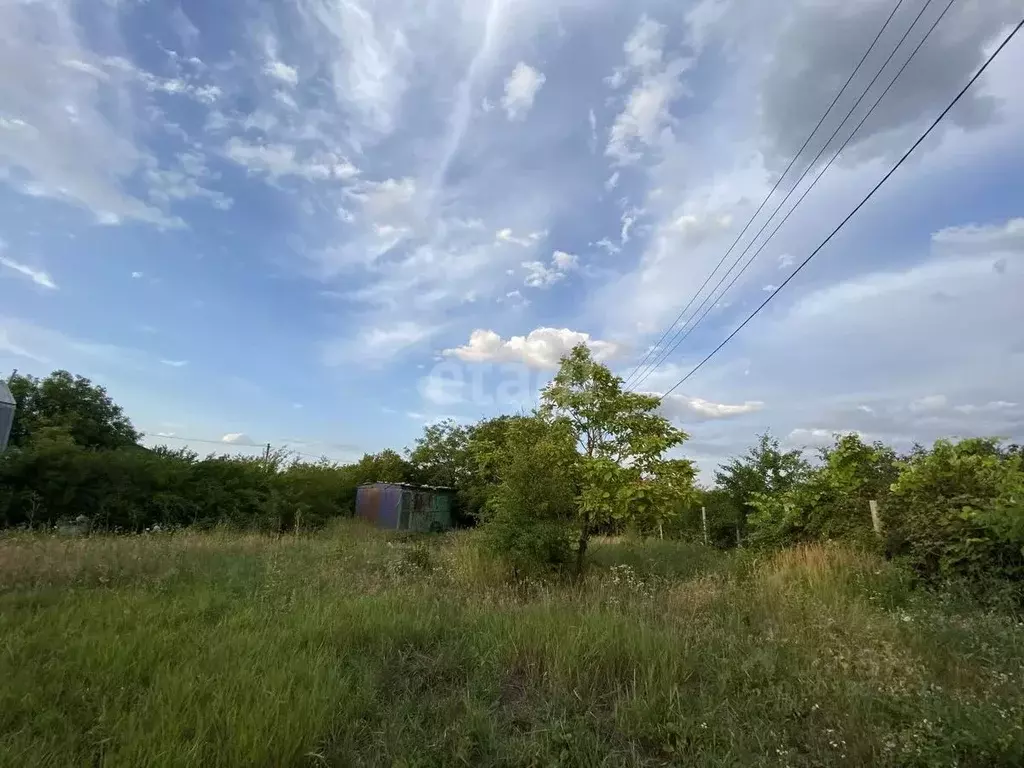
765	470
348	648
130	489
528	518
958	511
621	441
441	455
829	501
71	403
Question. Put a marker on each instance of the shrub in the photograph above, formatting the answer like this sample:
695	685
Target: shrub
958	511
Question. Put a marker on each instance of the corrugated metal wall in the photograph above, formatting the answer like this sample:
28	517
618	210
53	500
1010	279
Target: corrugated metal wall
379	504
397	507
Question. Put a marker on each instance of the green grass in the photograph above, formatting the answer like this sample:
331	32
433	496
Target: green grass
348	648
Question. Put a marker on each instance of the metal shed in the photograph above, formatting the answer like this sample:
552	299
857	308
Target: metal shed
6	414
405	507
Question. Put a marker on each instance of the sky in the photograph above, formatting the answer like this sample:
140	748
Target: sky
323	224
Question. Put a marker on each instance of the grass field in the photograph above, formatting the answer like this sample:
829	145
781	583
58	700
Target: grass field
347	648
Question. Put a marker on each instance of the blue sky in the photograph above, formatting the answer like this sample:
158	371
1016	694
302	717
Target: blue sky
322	224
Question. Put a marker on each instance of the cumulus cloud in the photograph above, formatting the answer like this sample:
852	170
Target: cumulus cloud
37	276
521	89
238	438
540	348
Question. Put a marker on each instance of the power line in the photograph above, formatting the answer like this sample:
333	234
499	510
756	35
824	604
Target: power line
232	445
675	341
778	183
860	205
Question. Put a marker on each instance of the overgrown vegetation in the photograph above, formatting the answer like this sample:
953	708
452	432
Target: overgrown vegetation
593	459
348	647
605	610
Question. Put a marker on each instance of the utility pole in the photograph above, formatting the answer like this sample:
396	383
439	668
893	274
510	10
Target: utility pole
704	521
266	457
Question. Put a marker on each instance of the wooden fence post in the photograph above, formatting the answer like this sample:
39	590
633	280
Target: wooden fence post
876	520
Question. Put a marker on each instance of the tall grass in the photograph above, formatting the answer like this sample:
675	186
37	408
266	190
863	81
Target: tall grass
352	648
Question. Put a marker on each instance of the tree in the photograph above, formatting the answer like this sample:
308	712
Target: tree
764	470
620	440
384	467
72	403
831	500
441	455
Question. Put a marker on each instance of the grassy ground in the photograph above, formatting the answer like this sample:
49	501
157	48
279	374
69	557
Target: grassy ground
350	649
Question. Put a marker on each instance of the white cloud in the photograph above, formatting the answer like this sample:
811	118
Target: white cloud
929	403
282	72
540	275
540	348
528	241
37	276
995	406
684	408
175	363
786	261
993	238
238	438
612	182
644	46
281	160
608	246
645	118
628	220
564	261
136	275
521	89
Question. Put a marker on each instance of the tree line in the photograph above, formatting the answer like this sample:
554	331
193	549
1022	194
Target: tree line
591	459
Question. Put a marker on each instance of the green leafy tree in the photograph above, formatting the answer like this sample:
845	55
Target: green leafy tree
831	501
71	403
388	466
765	470
620	439
441	455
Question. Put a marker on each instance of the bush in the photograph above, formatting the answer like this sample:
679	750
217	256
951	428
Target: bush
131	489
958	511
528	520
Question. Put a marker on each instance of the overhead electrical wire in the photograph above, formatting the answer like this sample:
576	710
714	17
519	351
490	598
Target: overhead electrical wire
675	341
924	136
778	183
157	437
681	336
